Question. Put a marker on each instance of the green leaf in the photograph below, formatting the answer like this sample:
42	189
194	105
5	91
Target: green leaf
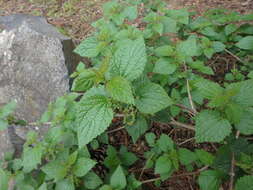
129	60
112	161
186	156
131	12
246	43
205	157
165	50
92	181
127	158
218	46
209	180
150	138
210	127
169	25
165	143
118	179
138	128
65	184
3	124
7	109
43	187
94	115
229	29
31	158
163	166
199	66
120	89
245	125
152	98
158	27
164	66
88	47
180	15
209	89
84	81
106	187
188	47
245	182
55	170
83	166
4	179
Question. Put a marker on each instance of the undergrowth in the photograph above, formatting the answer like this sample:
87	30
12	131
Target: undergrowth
149	67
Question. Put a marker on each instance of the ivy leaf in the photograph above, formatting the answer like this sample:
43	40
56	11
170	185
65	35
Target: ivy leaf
245	182
129	60
4	179
88	47
152	98
246	43
164	66
118	179
120	89
94	115
83	166
138	128
209	180
210	127
65	184
55	170
31	158
186	156
246	122
92	181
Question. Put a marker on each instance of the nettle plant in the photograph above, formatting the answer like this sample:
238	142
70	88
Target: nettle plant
149	64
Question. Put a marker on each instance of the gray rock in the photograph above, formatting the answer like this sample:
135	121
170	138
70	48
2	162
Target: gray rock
35	63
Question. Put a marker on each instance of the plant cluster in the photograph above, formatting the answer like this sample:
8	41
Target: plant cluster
149	66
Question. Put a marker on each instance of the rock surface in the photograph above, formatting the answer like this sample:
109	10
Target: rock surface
35	63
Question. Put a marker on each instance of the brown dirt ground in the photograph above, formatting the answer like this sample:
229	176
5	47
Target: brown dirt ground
73	18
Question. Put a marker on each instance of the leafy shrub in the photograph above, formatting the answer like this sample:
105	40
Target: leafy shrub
149	65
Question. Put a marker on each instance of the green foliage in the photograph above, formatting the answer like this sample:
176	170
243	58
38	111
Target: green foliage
147	71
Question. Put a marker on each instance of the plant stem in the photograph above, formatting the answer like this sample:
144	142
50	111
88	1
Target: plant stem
236	57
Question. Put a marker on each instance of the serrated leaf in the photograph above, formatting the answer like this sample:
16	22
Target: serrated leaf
180	15
209	89
209	180
131	12
186	156
55	170
94	115
118	179
163	166
88	47
127	158
165	50
199	66
83	166
205	157
218	46
229	29
188	47
43	187
245	182
4	179
210	127
245	125
169	25
129	60
138	128
92	181
120	89
65	184
152	98
164	66
246	43
84	81
150	138
165	143
31	158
